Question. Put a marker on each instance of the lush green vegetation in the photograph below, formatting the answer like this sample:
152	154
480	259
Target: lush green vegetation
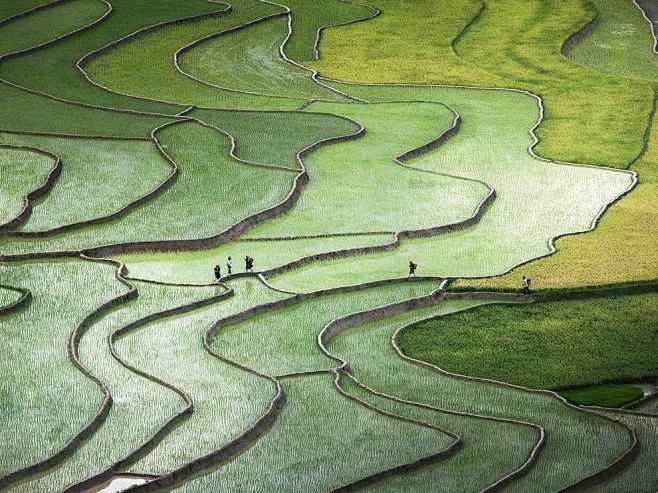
567	455
22	172
250	62
23	112
360	176
7	9
620	249
139	405
48	24
144	67
275	137
640	475
621	44
44	398
525	54
308	17
560	198
607	395
526	344
98	177
226	400
284	341
196	266
311	448
52	70
598	103
226	189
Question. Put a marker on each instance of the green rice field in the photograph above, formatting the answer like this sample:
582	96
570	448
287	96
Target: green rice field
279	246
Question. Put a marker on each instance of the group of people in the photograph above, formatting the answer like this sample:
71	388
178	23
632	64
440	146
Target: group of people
248	267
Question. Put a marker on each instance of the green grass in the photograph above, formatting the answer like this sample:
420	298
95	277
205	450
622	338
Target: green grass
307	17
357	187
22	171
312	447
139	405
621	248
557	199
650	406
284	341
24	112
144	67
641	474
550	345
275	137
196	266
52	70
498	448
572	435
212	193
607	395
98	178
45	400
8	297
525	53
226	400
48	24
622	43
249	60
8	9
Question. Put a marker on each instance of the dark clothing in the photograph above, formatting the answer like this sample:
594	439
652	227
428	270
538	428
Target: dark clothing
412	268
218	272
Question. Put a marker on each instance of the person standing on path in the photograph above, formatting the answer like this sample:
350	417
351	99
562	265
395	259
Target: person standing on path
248	264
526	285
229	264
218	273
412	268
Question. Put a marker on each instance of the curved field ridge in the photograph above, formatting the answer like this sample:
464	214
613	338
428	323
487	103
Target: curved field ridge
99	182
30	32
14	178
477	253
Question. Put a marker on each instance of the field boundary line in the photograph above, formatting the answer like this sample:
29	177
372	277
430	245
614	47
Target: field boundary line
469	25
127	208
602	474
183	413
25	298
318	33
42	190
25	13
651	26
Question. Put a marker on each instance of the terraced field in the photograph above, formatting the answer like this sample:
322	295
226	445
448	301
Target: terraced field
149	148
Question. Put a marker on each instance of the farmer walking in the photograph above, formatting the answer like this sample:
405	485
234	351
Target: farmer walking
526	285
218	273
229	264
248	264
412	269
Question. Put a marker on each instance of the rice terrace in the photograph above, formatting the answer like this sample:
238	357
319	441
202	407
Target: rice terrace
328	245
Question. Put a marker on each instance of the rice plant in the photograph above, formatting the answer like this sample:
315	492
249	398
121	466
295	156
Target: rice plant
139	406
98	178
572	435
321	441
22	171
48	24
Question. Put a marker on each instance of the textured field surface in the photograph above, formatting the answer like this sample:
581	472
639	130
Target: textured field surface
22	172
45	25
226	399
525	344
311	448
571	434
622	44
98	178
171	136
249	60
229	191
140	406
285	341
45	399
538	209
